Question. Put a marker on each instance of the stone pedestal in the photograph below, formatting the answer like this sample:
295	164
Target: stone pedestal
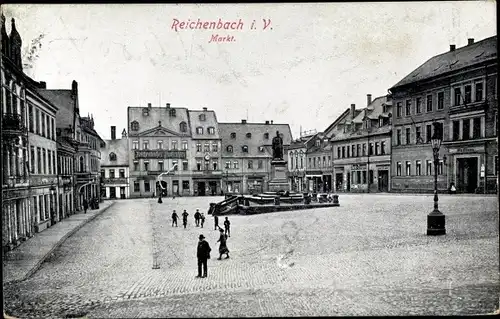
278	181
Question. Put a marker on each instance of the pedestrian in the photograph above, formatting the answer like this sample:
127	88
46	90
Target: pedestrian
216	221
197	217
223	245
185	218
203	254
226	227
202	217
85	205
174	218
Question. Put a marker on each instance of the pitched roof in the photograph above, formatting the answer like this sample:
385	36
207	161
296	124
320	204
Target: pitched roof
155	115
64	101
257	139
210	121
117	146
453	60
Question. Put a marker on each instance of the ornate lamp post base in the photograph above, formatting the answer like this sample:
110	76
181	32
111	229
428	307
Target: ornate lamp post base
436	223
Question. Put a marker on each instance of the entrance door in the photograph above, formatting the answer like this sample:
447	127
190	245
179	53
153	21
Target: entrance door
467	175
348	181
112	192
383	181
213	188
201	188
122	192
339	180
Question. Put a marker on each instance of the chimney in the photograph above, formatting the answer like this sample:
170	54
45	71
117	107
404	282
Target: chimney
271	121
124	133
452	47
42	85
243	121
168	105
74	87
113	132
149	105
353	109
267	122
204	109
470	41
368	99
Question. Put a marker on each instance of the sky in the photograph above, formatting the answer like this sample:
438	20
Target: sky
306	67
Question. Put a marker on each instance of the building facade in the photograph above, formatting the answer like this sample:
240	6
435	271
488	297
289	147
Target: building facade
362	148
115	167
457	90
297	165
247	154
66	150
319	164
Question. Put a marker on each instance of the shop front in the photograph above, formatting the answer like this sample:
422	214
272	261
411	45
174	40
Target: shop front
467	167
207	187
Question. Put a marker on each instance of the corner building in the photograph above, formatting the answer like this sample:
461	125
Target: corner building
115	167
458	90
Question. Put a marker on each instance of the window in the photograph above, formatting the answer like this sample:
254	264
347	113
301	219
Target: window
43	124
229	149
147	186
418	106
122	173
266	136
134	126
198	165
408	108
160	166
136	165
428	133
30	118
175	166
159	145
207	147
466	129
135	145
260	164
408	135
467	94
199	130
185	166
418	168
382	148
398	137
44	161
353	150
185	185
233	135
318	143
314	162
429	103
440	167
439	127
457	96
235	165
215	147
211	130
370	149
479	91
408	168
399	109
377	148
440	105
49	128
146	166
249	135
338	152
250	164
111	173
172	113
145	145
183	127
244	149
496	165
198	147
228	164
49	159
112	156
103	173
418	134
329	161
137	188
455	130
364	149
348	151
32	159
358	150
261	149
202	117
174	145
184	145
476	127
37	121
428	167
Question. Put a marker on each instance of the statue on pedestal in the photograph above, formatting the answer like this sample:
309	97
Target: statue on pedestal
277	147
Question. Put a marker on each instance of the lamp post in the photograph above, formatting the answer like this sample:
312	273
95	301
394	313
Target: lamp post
436	219
52	212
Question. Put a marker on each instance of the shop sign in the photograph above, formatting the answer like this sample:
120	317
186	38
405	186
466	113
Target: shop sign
462	150
160	154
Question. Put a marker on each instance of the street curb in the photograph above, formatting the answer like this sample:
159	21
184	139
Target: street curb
60	242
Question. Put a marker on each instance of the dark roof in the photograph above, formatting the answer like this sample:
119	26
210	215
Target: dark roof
257	138
155	115
120	148
210	121
64	101
453	60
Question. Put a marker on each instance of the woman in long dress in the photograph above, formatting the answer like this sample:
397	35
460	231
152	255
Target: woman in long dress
223	246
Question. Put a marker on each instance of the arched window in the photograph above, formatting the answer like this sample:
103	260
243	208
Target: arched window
244	149
229	149
183	127
249	135
112	157
233	135
81	164
134	126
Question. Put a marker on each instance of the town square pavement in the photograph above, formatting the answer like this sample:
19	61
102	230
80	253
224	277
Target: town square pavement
370	256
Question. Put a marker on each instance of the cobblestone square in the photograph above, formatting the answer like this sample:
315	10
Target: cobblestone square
370	256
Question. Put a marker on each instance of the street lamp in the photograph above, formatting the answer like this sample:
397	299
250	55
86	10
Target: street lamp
436	219
52	190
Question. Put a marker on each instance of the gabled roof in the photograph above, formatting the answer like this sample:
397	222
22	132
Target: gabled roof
159	131
256	140
155	115
453	60
210	121
120	148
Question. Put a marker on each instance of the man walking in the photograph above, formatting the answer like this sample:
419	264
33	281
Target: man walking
174	218
216	221
197	217
203	254
226	227
185	218
202	217
85	205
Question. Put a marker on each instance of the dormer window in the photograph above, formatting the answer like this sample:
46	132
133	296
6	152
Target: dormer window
112	157
318	143
261	149
211	130
172	113
134	126
249	135
183	127
145	112
233	135
199	130
202	117
229	149
244	149
266	136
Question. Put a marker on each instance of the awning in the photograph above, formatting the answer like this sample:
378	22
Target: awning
311	176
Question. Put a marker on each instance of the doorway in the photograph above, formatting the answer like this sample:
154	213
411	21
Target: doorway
383	180
339	180
201	189
348	181
112	192
122	192
213	188
467	174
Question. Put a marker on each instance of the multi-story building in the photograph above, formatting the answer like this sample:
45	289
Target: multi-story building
115	167
458	91
66	150
207	174
319	163
247	154
159	141
297	164
361	147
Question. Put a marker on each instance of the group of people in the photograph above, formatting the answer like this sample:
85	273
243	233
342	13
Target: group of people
199	218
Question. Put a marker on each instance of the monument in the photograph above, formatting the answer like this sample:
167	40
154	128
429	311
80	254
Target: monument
279	181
